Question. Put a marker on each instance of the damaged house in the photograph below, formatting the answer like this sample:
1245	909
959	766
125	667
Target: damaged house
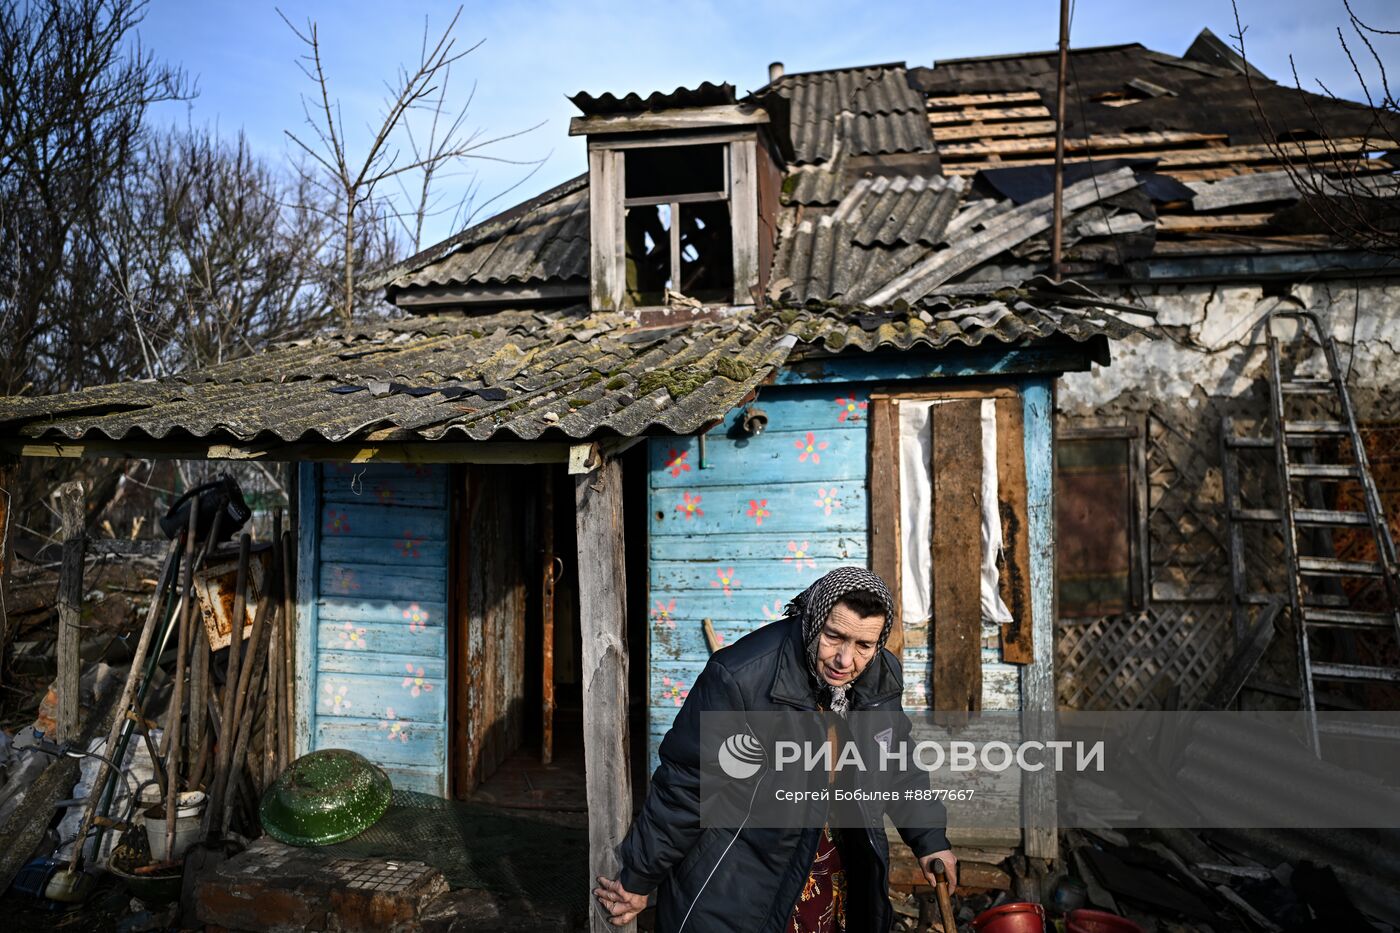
619	425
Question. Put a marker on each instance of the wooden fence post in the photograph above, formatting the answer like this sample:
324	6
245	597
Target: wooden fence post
70	606
9	476
602	591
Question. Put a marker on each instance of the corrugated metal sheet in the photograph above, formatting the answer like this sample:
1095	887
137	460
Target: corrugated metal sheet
510	375
548	244
859	111
706	94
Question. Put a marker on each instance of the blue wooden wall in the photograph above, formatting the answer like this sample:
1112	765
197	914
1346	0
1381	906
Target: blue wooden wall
735	538
373	644
725	536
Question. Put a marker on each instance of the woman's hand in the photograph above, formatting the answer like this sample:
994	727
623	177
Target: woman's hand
950	868
621	904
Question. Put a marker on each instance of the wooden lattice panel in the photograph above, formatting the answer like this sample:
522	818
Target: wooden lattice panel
1130	661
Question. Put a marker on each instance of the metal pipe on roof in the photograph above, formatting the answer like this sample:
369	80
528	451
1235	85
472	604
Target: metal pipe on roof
775	71
1058	227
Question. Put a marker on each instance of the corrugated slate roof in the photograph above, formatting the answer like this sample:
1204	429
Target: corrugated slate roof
706	94
1012	316
549	243
510	375
904	211
856	111
524	375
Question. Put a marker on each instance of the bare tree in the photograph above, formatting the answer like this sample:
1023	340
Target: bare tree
354	178
1352	199
74	90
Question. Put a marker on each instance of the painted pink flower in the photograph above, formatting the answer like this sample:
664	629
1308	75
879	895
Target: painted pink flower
415	683
798	556
827	499
774	613
758	511
384	493
675	462
417	618
352	637
719	638
393	726
337	695
691	506
674	690
850	408
343	580
725	579
811	447
662	612
408	545
337	522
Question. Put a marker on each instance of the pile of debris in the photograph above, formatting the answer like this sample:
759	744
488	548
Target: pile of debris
158	743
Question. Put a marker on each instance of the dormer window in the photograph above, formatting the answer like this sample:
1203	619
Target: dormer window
682	192
677	232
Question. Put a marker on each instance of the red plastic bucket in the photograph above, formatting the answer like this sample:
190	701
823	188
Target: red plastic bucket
1011	918
1096	921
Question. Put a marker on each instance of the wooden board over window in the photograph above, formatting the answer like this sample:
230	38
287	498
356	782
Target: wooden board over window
1094	517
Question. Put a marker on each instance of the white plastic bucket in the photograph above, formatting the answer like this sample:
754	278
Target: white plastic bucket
188	811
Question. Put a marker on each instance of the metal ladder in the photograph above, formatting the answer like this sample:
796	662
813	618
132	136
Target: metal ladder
1312	614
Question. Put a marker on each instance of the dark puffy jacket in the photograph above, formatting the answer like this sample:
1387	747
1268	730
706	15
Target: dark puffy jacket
714	880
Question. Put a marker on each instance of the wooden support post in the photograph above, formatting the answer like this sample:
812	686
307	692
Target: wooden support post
70	608
1038	806
547	620
602	590
9	474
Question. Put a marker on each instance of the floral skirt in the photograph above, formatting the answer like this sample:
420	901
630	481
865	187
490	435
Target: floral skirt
822	906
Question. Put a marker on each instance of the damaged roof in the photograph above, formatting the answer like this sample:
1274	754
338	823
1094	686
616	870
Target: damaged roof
854	111
525	375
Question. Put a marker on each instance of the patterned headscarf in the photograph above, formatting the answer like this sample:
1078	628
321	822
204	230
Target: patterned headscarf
815	603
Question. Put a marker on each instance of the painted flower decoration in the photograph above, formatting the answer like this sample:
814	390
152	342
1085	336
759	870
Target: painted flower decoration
810	448
417	618
725	579
337	697
827	499
673	690
408	545
662	612
393	726
352	637
675	461
798	555
343	580
337	522
775	613
850	408
415	683
384	493
418	469
758	511
719	638
690	506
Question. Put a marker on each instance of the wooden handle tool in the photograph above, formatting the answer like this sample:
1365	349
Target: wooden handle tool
945	901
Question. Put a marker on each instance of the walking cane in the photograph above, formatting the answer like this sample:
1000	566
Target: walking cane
945	902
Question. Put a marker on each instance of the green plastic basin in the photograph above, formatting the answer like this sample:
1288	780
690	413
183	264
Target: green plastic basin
327	796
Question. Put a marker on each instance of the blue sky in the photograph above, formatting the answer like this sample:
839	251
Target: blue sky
534	54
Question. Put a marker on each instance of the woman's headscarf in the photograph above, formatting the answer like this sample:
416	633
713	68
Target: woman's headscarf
815	603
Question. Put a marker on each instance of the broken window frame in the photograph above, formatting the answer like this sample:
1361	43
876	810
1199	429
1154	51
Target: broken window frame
1139	556
749	169
673	203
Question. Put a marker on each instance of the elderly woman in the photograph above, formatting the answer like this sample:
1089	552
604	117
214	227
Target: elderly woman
827	653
